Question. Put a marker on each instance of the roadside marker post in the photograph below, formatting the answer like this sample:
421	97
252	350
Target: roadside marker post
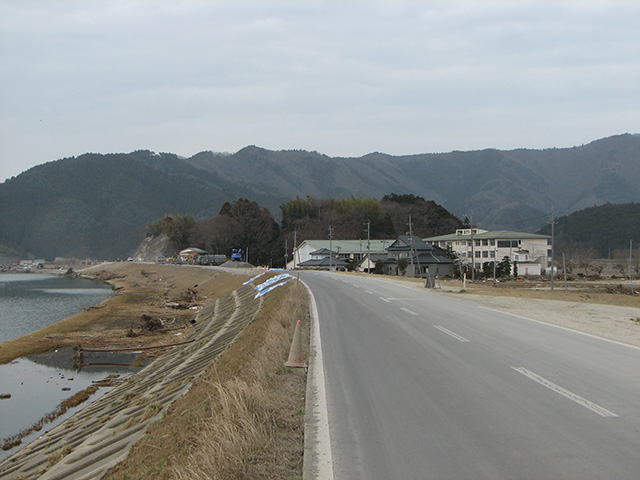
295	353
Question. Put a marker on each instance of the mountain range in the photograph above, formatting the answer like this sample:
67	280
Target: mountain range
97	205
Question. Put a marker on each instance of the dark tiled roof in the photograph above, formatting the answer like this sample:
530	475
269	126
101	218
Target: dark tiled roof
323	262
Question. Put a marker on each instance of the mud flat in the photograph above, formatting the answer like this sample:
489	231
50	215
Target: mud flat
99	436
169	294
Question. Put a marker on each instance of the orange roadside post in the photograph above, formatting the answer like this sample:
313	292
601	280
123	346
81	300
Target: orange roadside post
295	353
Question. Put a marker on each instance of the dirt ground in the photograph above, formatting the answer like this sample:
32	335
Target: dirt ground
152	305
602	308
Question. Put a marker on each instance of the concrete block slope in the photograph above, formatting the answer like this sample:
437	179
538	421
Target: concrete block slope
96	438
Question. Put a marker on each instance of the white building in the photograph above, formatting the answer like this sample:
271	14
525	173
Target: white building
342	249
531	251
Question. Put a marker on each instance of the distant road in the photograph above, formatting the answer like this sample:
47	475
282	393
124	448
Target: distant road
425	385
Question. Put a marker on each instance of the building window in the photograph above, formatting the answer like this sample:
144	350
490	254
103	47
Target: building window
477	243
485	254
477	254
507	243
493	254
485	242
492	242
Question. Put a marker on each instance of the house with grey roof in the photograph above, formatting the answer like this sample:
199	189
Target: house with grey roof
422	260
324	259
346	250
531	252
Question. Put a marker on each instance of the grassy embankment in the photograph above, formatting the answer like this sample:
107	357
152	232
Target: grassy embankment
243	419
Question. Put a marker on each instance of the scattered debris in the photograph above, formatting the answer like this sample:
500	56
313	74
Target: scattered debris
151	324
619	289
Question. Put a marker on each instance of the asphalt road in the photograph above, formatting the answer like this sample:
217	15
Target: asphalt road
427	385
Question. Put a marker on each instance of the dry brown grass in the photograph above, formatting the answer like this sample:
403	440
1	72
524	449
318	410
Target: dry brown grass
604	293
144	290
244	418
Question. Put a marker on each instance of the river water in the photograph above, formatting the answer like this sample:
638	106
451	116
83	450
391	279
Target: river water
29	301
37	384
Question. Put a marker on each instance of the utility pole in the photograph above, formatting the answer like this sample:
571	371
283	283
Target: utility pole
630	257
411	247
286	252
495	256
369	244
295	246
330	248
473	255
553	247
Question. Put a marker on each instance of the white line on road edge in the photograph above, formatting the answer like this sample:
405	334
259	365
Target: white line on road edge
603	412
562	328
449	332
409	311
385	299
317	461
369	292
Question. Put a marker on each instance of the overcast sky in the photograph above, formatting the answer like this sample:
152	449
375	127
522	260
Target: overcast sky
344	78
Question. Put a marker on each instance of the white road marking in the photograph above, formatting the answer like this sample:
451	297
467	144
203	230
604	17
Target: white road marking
369	292
453	334
562	328
603	412
317	462
385	299
409	311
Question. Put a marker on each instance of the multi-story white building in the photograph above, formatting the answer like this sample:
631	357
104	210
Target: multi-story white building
531	251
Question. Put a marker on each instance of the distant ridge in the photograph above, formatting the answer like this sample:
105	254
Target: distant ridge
97	205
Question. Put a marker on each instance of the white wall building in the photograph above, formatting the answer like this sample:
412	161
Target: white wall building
342	249
531	251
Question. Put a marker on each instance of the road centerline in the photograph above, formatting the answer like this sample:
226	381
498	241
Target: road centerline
410	312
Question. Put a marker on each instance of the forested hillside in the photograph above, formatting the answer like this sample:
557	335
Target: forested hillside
603	231
354	218
501	189
246	225
97	205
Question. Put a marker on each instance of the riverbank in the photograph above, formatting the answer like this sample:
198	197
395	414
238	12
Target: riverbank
214	407
152	305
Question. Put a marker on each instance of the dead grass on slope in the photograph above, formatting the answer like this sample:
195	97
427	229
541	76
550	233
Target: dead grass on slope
244	418
142	291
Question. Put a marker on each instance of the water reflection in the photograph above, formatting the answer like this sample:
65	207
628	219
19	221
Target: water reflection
39	383
31	301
